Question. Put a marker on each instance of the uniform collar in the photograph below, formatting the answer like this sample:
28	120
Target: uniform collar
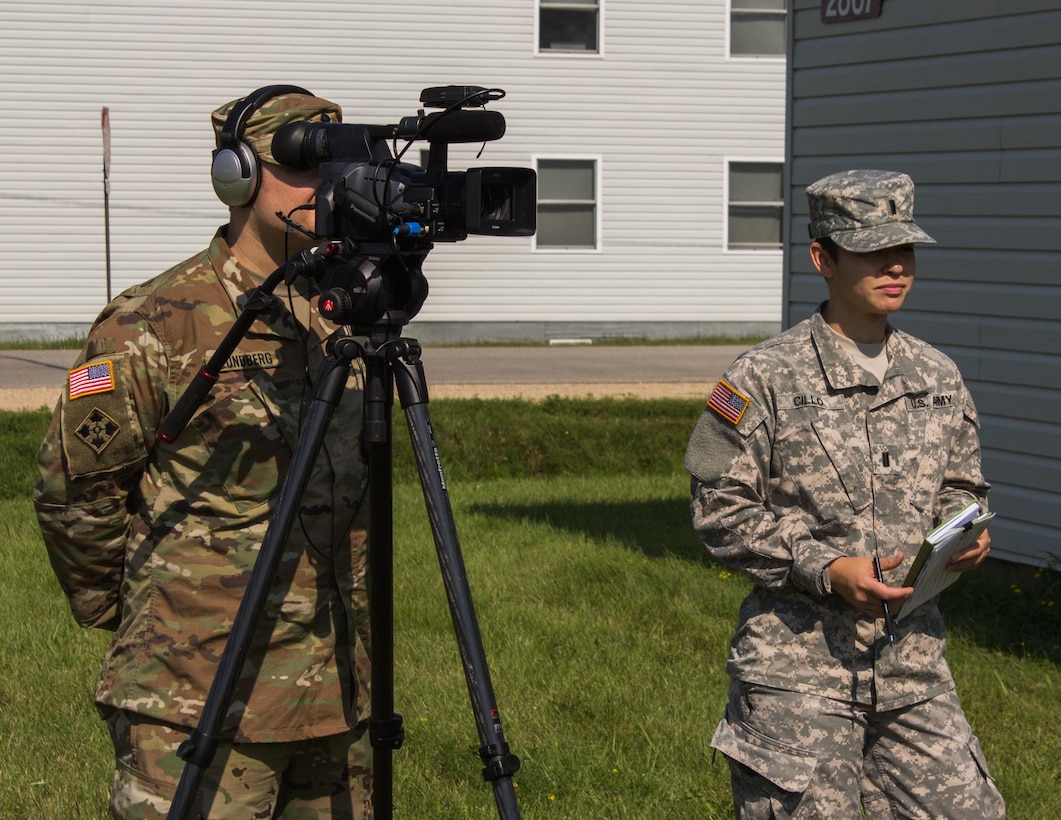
841	372
239	283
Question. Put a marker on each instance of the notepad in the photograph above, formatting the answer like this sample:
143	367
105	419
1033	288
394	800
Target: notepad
928	575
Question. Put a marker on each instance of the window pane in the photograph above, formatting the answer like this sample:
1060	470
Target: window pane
756	205
755	182
757	34
566	226
770	5
567	29
566	179
567	203
754	227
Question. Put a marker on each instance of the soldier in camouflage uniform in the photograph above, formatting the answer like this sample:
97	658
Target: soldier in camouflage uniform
156	540
840	440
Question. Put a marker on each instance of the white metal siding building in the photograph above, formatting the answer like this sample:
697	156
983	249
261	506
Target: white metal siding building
659	110
963	96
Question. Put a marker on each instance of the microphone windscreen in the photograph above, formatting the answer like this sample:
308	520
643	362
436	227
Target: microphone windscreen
462	125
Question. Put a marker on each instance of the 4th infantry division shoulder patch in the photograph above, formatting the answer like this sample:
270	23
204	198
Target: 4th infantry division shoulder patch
728	402
98	430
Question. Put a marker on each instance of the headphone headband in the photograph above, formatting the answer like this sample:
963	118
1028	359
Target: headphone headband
232	131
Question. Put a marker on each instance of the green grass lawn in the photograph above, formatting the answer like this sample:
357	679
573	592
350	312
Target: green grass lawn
605	628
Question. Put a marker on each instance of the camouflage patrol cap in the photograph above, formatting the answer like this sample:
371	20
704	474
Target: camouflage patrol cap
264	122
863	211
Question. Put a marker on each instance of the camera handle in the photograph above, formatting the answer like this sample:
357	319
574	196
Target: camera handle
395	360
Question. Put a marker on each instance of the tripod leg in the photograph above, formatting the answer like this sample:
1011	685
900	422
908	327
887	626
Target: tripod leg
198	751
499	763
385	726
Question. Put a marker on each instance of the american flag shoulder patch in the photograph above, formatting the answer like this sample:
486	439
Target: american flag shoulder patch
727	401
97	377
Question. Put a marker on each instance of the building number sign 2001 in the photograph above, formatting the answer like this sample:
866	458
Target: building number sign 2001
836	11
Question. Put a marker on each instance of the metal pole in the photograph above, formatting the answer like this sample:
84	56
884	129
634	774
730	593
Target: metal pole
105	122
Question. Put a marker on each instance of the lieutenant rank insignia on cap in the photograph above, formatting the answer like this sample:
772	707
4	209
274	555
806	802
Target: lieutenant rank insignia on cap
728	402
97	377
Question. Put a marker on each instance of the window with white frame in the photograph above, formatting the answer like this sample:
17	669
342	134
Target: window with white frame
571	26
757	28
567	204
756	206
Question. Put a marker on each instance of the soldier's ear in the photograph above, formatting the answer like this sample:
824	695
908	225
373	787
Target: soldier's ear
823	262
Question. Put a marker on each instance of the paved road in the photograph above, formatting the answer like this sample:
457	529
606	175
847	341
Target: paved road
35	368
34	377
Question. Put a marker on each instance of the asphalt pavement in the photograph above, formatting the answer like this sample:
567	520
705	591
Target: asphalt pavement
33	378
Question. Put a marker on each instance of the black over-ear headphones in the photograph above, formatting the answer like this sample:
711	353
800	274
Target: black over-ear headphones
234	170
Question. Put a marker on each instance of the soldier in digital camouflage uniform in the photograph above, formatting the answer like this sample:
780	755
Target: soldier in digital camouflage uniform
837	441
156	540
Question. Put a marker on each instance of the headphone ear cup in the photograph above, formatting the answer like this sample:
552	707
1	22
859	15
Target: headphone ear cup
234	173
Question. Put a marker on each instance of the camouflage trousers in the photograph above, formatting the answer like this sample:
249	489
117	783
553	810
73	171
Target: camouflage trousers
327	777
793	755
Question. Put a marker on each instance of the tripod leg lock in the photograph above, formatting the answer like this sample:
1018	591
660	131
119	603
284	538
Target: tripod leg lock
199	749
500	762
386	733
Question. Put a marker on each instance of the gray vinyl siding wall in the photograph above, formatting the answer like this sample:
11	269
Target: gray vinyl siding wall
964	96
660	110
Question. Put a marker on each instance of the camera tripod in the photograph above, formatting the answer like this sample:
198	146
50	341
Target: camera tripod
390	361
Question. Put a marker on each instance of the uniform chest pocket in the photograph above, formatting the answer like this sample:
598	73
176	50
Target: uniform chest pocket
246	453
824	465
916	465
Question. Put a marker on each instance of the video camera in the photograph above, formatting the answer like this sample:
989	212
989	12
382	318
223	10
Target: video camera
369	195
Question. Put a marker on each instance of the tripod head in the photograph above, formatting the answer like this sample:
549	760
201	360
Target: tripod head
366	286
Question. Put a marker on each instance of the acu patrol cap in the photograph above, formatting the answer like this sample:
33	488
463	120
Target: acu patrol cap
863	211
264	122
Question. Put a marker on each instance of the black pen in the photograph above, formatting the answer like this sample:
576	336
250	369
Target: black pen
888	625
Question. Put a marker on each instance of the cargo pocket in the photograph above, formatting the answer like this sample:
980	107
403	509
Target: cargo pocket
788	768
